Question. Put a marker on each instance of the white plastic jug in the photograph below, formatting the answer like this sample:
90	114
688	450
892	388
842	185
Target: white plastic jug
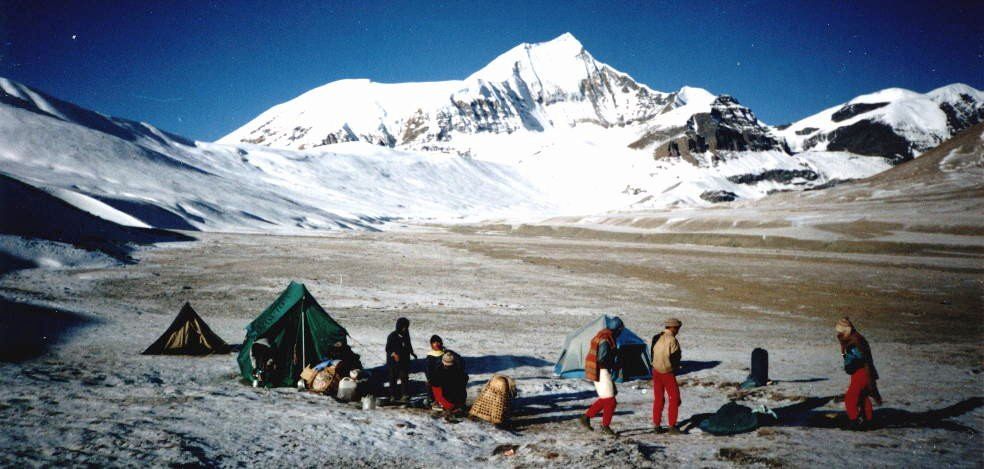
346	389
368	402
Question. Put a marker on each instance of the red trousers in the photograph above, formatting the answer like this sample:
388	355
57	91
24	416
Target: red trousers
606	404
439	397
857	396
665	382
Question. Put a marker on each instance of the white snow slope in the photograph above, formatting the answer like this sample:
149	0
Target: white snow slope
136	175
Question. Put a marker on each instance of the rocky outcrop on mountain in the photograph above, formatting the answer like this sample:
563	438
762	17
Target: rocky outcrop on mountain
866	137
776	175
728	126
963	106
719	196
851	110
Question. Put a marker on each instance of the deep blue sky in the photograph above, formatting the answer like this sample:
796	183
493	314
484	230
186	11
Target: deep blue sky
202	69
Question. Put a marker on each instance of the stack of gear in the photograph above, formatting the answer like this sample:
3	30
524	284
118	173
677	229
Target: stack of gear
326	381
493	402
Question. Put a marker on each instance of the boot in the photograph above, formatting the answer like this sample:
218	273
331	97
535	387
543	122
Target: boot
585	422
608	431
673	431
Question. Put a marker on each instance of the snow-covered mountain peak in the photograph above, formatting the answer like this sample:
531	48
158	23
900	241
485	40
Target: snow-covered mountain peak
689	95
955	92
556	65
558	52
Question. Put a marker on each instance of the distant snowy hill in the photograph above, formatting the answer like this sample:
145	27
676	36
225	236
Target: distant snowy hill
895	123
133	174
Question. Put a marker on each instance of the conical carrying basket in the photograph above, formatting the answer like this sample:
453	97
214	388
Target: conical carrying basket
493	402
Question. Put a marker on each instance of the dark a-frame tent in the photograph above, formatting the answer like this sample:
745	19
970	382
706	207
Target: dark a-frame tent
188	335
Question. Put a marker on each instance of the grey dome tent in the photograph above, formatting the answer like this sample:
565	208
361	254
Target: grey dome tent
633	351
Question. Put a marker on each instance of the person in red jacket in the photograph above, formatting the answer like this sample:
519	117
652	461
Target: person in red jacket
600	366
859	364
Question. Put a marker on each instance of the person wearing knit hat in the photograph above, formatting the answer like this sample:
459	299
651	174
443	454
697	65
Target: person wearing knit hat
844	326
858	363
666	357
448	382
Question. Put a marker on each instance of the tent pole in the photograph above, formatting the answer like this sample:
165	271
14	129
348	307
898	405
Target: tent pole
303	337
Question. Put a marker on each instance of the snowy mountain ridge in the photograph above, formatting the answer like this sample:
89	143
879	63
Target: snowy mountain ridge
550	86
532	87
895	122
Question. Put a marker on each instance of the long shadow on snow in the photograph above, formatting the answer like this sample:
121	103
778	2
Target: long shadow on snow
496	363
27	331
804	414
473	366
691	366
538	410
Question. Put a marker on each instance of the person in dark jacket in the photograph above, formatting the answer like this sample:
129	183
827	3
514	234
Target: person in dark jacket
450	380
433	361
347	359
858	363
398	353
601	367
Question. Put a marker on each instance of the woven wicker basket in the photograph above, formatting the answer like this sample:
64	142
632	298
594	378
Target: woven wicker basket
493	402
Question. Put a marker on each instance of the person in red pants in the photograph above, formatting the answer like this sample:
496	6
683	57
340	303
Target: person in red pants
859	364
600	366
449	382
666	362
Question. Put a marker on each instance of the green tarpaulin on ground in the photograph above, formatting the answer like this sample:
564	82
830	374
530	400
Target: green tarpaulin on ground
281	324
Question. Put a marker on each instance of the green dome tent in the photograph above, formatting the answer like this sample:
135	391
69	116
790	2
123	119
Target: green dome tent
633	351
295	314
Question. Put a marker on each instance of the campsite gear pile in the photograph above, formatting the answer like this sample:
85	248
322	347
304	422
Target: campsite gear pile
493	403
327	378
